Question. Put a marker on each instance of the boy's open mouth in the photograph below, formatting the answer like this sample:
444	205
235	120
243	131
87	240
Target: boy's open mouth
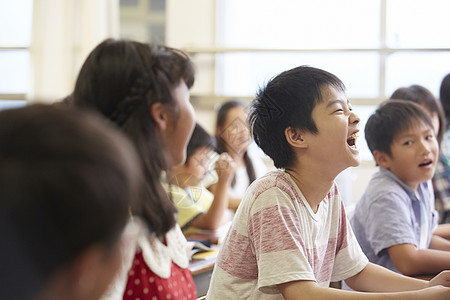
351	140
425	163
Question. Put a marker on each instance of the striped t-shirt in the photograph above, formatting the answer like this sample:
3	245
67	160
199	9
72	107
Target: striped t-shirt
276	238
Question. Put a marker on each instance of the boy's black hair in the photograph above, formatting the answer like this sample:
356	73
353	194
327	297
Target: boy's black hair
288	101
200	138
67	179
390	119
424	97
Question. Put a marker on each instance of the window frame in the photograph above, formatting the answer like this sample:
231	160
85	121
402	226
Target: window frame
210	99
14	96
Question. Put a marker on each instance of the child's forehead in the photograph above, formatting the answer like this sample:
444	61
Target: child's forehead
414	126
329	93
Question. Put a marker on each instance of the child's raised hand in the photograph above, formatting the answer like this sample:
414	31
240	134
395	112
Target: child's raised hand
442	278
225	167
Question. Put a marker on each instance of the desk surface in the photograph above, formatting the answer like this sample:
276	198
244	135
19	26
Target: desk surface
201	269
197	266
201	266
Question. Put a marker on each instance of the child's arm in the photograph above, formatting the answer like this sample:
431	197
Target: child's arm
372	278
443	230
233	203
412	261
212	219
439	243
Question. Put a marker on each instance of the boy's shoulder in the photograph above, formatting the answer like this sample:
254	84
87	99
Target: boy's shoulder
385	185
273	179
383	179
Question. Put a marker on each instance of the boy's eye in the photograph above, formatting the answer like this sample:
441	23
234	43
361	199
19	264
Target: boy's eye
407	143
429	137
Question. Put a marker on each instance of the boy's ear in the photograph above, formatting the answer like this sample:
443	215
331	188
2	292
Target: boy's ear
294	138
381	158
160	115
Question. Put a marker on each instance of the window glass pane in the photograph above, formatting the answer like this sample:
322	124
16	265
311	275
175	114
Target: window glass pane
14	74
157	33
418	23
129	2
242	73
364	112
157	5
299	24
8	104
15	23
423	68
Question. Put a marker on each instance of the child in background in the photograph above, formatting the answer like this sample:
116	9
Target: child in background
67	179
144	90
198	207
234	137
443	183
426	99
290	236
395	218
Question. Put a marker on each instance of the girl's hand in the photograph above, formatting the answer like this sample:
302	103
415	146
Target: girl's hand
225	167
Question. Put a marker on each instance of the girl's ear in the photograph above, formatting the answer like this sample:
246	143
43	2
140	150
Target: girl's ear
294	138
382	159
160	115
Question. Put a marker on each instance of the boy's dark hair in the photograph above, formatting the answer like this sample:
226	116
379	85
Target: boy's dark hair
288	101
390	119
122	79
424	97
66	182
444	94
200	138
220	122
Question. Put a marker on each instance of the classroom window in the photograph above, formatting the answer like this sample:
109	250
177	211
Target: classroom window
15	35
374	46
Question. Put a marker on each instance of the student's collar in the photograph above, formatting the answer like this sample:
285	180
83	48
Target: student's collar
413	194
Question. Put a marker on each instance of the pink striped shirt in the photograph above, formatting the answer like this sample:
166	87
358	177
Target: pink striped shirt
277	238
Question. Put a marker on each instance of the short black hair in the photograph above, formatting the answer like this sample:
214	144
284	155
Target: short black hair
200	138
424	97
390	119
67	179
288	101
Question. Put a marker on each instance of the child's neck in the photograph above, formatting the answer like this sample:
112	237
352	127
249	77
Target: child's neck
313	186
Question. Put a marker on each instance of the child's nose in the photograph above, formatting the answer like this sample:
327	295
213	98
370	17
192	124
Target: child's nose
426	147
354	118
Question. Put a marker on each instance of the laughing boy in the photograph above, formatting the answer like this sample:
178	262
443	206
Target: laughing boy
290	236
